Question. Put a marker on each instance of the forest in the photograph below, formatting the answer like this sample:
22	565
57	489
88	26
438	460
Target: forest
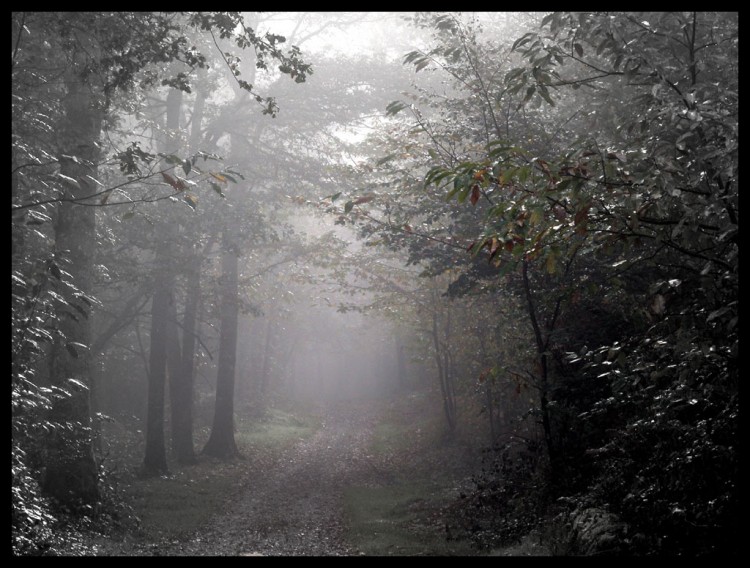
374	284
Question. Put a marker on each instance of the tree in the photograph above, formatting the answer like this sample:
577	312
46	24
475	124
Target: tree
102	55
595	162
628	196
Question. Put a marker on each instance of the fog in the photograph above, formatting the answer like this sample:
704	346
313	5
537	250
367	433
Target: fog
429	275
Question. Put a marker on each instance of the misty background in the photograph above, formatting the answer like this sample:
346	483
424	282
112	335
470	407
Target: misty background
515	231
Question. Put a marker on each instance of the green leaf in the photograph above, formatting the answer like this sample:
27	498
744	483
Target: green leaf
551	263
55	271
579	49
421	65
75	349
394	108
545	95
186	166
234	173
69	180
348	206
385	159
529	93
526	38
523	173
217	188
78	383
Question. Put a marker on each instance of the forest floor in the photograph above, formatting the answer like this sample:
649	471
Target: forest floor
371	478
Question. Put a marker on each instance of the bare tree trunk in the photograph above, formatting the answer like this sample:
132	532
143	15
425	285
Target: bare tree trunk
182	378
443	362
541	345
221	443
265	373
155	460
71	475
400	363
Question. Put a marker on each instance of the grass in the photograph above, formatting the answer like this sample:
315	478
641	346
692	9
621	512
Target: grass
400	520
178	503
277	429
403	516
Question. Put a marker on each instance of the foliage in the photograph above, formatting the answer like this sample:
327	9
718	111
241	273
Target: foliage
120	56
621	213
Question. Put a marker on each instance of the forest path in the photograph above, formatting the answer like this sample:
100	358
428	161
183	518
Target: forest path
295	508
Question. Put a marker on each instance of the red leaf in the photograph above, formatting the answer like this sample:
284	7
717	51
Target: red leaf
168	178
178	184
494	248
474	194
581	219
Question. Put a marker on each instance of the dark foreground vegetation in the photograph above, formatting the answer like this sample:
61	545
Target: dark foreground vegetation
529	221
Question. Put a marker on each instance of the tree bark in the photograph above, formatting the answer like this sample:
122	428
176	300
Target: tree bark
443	362
400	363
541	346
182	377
155	460
71	475
221	443
265	373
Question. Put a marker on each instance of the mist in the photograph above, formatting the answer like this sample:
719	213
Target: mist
374	283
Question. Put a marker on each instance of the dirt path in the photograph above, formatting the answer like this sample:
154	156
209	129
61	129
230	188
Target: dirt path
296	507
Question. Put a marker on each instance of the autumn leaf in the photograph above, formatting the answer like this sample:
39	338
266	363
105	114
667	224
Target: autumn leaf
176	183
474	194
219	177
191	200
494	248
365	199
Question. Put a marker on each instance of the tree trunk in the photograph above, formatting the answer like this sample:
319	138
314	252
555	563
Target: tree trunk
444	374
182	379
155	460
541	346
71	475
221	443
400	364
266	367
